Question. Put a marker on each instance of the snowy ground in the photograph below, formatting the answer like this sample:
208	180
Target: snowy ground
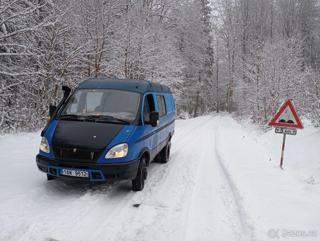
222	183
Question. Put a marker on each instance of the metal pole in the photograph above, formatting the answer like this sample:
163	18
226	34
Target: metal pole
282	151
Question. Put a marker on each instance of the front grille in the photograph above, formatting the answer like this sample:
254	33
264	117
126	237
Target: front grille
76	154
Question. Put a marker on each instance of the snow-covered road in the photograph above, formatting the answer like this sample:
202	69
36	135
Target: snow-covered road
210	190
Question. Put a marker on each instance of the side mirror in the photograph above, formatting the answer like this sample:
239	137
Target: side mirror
52	110
66	91
154	118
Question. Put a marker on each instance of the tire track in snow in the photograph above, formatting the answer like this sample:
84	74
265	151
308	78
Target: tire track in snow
166	200
215	211
210	215
247	230
224	220
200	223
156	186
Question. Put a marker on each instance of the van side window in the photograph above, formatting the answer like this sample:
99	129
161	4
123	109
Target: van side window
148	108
162	105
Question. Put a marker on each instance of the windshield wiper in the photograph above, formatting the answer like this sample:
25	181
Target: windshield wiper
95	118
71	117
120	120
106	118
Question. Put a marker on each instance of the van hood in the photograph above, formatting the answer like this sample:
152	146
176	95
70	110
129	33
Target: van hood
82	134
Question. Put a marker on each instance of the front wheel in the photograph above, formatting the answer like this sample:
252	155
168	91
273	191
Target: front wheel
138	182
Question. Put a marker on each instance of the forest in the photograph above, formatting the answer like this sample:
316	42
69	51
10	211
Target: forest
239	56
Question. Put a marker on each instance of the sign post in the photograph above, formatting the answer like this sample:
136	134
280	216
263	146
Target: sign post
286	122
282	151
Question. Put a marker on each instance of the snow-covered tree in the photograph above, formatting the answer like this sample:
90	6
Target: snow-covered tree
242	56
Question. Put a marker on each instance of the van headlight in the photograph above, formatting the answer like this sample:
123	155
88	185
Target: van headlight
44	145
118	151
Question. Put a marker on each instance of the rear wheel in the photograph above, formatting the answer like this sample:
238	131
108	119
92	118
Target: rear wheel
138	182
164	155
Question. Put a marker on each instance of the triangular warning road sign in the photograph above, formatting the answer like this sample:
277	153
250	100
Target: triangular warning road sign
287	117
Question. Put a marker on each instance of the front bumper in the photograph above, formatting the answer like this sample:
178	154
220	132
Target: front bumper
97	172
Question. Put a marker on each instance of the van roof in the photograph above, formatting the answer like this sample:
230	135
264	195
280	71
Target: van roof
140	86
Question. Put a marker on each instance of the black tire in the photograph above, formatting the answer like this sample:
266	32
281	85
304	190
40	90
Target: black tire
138	182
50	177
164	155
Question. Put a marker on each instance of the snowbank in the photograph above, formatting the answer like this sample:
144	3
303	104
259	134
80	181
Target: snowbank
280	204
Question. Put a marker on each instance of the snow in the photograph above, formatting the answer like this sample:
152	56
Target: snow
222	183
276	201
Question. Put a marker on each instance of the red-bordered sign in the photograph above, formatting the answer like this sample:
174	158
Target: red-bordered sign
287	117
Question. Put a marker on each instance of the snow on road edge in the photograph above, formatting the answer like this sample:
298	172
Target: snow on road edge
275	202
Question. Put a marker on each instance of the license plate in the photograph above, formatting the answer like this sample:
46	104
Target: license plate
74	173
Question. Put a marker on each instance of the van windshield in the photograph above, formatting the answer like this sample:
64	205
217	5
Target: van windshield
105	104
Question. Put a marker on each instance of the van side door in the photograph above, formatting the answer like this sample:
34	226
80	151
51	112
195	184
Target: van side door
162	109
149	106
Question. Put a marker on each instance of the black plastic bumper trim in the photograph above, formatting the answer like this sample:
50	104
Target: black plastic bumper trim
114	171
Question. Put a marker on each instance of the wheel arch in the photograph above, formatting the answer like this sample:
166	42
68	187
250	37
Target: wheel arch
145	152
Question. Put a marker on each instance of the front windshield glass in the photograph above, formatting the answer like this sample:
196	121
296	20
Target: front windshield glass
117	104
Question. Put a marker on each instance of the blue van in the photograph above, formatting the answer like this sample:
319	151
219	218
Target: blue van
108	129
